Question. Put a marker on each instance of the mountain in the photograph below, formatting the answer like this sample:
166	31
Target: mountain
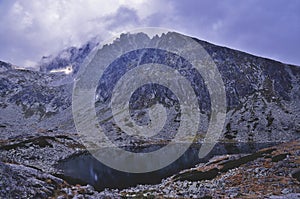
37	131
262	95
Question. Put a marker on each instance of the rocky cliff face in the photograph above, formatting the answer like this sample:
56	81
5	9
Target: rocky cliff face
37	128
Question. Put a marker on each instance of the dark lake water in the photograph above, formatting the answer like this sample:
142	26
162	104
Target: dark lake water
85	169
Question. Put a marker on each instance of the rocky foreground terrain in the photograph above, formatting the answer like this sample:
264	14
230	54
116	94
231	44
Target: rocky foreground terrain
268	173
257	155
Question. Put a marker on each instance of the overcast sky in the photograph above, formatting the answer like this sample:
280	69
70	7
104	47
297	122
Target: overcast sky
30	29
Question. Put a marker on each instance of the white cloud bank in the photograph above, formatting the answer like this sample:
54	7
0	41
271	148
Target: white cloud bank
31	29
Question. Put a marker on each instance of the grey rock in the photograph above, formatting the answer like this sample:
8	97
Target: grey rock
286	191
287	196
61	197
35	183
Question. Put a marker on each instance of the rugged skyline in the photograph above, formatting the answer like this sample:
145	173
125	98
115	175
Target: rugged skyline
32	29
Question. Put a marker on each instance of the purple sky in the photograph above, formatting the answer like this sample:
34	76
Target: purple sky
31	29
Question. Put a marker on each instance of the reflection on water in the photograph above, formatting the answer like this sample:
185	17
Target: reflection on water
85	169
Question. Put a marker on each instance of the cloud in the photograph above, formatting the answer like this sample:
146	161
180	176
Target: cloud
31	29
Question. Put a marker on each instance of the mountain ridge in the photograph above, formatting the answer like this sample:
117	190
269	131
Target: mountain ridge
247	78
47	63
